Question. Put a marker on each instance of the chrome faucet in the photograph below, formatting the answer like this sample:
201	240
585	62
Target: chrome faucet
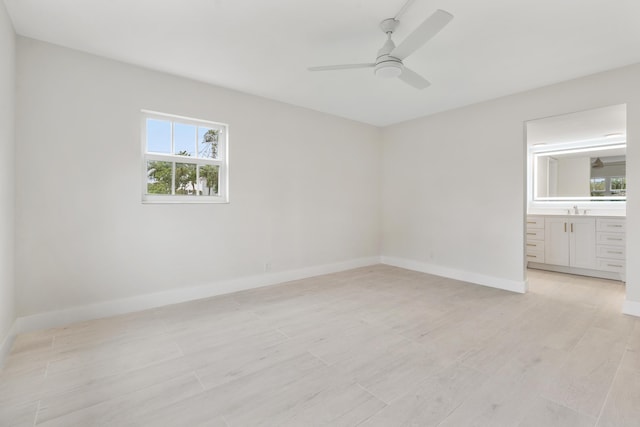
576	211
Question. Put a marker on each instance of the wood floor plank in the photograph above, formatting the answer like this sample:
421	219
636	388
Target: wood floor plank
391	372
631	358
321	398
549	414
509	392
129	406
217	369
31	342
22	415
244	394
60	403
587	374
622	408
432	401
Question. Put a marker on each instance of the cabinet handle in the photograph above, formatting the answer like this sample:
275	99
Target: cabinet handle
531	234
531	244
614	238
531	222
615	252
565	227
532	256
572	227
615	265
614	225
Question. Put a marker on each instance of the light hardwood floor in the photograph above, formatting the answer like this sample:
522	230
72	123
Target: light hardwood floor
377	346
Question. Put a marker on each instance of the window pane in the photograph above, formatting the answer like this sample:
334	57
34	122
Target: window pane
209	179
185	178
158	136
208	142
598	186
619	185
184	139
159	177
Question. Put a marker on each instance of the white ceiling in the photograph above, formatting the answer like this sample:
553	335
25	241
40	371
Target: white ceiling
491	48
599	123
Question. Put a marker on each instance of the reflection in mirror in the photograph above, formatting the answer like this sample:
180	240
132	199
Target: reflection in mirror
578	157
598	174
608	176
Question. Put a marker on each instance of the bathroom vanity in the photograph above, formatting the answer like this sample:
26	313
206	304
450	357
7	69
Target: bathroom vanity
578	244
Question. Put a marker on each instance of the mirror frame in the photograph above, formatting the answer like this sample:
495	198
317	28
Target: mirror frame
575	147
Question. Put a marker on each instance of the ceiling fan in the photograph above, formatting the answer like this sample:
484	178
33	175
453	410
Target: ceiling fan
388	63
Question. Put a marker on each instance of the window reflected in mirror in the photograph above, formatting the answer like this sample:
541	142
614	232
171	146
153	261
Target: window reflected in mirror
608	176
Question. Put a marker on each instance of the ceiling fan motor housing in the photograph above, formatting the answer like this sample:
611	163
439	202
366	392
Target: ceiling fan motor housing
388	67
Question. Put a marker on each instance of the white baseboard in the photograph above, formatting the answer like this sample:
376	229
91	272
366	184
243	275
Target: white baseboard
452	273
631	308
54	319
6	343
579	271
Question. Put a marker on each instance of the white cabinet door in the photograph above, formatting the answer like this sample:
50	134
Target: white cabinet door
556	240
582	241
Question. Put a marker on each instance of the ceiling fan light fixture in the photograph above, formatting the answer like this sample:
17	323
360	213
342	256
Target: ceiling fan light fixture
388	70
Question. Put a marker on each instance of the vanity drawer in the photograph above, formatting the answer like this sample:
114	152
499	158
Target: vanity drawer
616	252
617	266
535	256
611	224
535	234
535	222
535	246
612	239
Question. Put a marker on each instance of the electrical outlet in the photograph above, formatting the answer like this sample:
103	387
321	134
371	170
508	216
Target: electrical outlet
267	267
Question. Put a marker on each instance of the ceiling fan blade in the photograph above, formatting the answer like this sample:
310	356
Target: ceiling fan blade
340	67
425	31
413	79
404	9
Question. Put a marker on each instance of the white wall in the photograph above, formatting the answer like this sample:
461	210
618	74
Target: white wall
304	186
7	170
574	176
454	183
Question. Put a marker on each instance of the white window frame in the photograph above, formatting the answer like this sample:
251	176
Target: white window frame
222	161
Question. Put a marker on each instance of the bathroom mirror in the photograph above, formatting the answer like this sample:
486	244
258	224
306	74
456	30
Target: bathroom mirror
598	174
578	157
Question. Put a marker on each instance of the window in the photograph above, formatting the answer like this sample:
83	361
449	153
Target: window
185	160
609	185
619	185
598	186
